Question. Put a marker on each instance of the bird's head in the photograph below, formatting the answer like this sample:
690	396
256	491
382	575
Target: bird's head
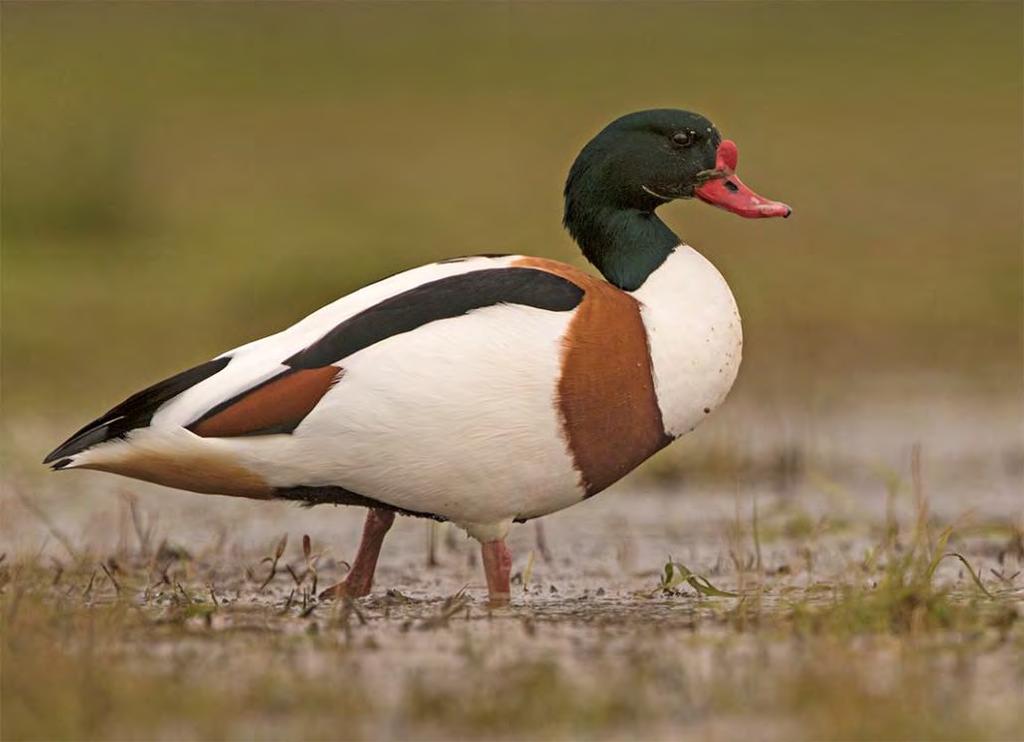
649	158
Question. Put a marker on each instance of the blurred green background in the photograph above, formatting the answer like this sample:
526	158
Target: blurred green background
181	178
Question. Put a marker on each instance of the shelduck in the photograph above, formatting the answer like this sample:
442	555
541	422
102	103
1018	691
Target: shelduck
481	390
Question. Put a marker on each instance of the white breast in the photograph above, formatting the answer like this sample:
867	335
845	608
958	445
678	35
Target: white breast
696	342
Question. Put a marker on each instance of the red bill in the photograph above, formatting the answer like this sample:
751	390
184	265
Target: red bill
730	193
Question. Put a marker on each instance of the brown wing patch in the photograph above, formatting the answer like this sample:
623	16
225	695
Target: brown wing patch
606	392
277	406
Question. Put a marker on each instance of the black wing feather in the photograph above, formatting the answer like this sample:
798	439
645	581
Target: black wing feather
440	299
136	411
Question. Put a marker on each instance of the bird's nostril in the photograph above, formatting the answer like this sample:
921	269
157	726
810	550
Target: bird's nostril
732	187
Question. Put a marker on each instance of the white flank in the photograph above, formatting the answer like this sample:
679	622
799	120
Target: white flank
456	418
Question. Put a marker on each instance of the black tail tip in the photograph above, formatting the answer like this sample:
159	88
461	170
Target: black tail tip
56	465
85	438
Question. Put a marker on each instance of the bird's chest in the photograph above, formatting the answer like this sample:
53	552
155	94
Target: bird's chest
694	336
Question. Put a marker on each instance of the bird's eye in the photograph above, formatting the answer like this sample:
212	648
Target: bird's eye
683	138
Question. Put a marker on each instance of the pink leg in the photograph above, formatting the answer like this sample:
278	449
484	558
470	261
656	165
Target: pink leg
497	567
359	580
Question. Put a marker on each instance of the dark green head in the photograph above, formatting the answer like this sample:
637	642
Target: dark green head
643	160
636	164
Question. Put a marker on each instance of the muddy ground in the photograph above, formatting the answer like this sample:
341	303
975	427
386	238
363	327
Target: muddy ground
823	604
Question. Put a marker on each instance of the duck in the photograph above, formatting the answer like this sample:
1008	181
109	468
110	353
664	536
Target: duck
483	390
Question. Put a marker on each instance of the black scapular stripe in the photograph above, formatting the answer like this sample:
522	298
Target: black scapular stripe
441	299
136	411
